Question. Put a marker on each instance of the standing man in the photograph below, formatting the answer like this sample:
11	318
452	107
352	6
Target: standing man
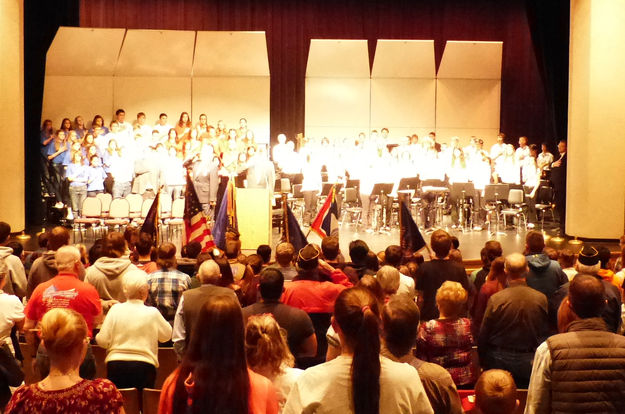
16	279
558	180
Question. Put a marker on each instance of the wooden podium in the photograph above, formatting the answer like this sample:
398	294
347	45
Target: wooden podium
253	217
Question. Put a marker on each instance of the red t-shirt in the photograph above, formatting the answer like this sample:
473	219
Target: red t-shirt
65	291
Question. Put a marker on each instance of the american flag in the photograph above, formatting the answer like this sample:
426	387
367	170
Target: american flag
195	223
326	223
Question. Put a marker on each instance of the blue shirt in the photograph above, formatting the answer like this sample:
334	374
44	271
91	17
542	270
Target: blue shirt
78	175
62	158
96	179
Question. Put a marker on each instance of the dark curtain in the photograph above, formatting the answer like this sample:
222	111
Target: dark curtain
41	21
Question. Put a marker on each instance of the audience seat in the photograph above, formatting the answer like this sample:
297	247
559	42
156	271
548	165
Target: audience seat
167	363
131	400
100	355
150	400
30	375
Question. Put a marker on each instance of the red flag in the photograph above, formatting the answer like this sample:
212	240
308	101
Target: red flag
326	223
195	223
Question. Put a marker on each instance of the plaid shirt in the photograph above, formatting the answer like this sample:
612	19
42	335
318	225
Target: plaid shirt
166	288
448	343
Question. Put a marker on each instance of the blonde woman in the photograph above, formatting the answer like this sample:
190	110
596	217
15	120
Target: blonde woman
447	341
65	335
268	354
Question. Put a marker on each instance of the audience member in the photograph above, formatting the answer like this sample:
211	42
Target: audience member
18	249
264	251
492	250
144	248
495	392
432	274
393	256
388	276
238	267
44	268
566	258
132	343
193	300
448	340
64	291
400	321
544	275
331	252
16	281
588	264
297	324
11	312
515	323
167	284
284	260
357	268
11	375
496	281
42	243
65	335
373	383
107	272
214	377
605	272
268	354
582	369
188	257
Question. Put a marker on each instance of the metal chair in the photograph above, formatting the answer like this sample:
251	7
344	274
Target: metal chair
515	208
351	206
105	199
118	214
135	202
544	203
177	213
131	400
91	213
150	400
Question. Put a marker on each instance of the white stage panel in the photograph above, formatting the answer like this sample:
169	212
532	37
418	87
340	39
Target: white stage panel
69	96
230	99
403	103
157	53
471	60
230	54
153	95
80	51
338	103
466	103
404	59
330	58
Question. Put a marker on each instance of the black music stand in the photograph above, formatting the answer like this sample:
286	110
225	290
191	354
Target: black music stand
433	183
411	183
353	184
325	189
459	190
382	189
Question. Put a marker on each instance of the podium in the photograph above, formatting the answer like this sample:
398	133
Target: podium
253	208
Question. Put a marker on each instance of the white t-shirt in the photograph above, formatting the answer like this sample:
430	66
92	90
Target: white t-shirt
11	311
327	387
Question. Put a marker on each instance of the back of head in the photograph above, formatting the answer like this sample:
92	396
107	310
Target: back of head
393	255
264	251
226	278
209	273
441	243
144	244
58	237
193	249
497	269
330	247
96	251
451	298
455	242
358	250
400	319
17	247
308	258
66	257
5	231
588	261
455	256
271	283
604	256
135	284
388	277
42	239
63	332
516	266
166	256
586	296
114	245
255	262
551	253
372	285
356	314
492	250
535	242
266	345
233	248
566	257
216	359
495	392
284	254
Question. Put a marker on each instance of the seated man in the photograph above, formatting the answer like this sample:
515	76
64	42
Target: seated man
583	368
515	323
297	324
400	319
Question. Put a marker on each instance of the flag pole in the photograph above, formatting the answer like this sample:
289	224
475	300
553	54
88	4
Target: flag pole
285	218
158	217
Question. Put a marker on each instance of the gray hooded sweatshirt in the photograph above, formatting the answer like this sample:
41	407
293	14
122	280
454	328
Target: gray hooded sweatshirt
16	281
106	276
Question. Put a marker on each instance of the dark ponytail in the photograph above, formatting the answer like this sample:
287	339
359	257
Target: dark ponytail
357	313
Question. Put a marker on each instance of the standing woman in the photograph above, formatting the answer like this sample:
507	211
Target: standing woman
78	176
359	381
98	122
183	127
58	155
213	376
46	141
66	126
79	126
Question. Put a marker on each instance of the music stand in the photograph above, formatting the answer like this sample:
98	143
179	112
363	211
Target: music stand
411	183
325	189
495	193
382	189
353	184
433	183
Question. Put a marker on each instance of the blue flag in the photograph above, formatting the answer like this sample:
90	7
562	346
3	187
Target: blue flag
293	232
410	238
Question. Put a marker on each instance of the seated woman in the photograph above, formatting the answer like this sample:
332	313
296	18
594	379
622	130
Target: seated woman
447	341
132	343
64	334
371	383
214	376
268	353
